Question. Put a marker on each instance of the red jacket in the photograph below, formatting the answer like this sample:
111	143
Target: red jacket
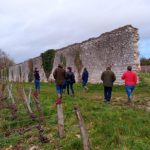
130	78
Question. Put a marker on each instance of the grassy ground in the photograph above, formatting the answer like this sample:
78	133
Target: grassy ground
113	126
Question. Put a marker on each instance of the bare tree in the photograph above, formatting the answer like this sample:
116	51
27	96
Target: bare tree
5	60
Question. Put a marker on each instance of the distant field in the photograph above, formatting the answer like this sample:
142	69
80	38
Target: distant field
114	126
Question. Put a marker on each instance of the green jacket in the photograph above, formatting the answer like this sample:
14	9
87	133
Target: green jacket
59	75
108	78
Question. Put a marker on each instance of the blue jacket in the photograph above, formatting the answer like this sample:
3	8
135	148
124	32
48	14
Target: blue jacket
85	75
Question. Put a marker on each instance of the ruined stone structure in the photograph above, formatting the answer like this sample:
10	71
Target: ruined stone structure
118	48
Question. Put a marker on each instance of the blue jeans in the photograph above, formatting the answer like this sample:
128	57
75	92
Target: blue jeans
37	84
70	85
129	90
107	93
59	89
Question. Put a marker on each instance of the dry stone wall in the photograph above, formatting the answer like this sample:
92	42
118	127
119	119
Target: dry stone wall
118	49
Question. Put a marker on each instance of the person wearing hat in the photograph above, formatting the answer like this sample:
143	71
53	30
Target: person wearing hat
108	77
59	76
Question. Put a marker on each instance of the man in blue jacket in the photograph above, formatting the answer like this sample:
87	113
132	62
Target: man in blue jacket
85	76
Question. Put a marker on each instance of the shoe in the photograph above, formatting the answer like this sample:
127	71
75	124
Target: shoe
58	101
105	101
36	94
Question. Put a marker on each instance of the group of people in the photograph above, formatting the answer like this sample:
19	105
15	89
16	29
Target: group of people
108	77
65	80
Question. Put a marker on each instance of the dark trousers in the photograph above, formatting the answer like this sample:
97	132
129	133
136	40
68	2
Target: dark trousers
70	86
107	93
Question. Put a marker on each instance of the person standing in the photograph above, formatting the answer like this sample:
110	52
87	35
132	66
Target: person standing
36	81
59	76
108	77
70	79
85	76
130	79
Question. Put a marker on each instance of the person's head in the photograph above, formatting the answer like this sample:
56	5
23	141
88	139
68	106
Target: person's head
60	66
69	69
85	69
36	69
129	68
108	68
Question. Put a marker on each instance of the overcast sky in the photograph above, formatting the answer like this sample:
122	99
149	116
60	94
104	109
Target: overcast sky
29	27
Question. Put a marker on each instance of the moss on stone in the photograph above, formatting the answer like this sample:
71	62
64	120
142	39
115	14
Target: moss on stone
20	73
63	60
1	74
30	66
47	61
78	64
4	74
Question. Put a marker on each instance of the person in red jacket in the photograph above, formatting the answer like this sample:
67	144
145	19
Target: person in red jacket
130	79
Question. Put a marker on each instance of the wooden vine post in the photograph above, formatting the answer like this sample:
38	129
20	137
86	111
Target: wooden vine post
39	109
12	106
27	103
60	117
2	89
83	131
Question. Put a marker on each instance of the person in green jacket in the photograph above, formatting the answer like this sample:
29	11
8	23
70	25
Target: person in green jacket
108	77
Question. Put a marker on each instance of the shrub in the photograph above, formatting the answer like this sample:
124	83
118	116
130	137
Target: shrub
78	63
63	60
145	62
47	61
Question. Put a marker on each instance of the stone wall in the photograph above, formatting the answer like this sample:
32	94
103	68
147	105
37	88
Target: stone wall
23	72
118	48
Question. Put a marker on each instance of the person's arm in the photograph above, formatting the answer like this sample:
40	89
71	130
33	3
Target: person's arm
54	73
64	74
123	76
73	78
136	78
39	76
83	76
102	76
114	77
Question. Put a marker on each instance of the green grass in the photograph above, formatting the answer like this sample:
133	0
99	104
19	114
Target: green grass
113	126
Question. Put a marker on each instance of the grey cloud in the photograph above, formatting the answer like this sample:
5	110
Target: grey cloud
31	26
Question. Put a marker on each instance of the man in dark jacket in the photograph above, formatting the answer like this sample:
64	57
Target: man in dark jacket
108	77
70	80
36	80
85	76
59	76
